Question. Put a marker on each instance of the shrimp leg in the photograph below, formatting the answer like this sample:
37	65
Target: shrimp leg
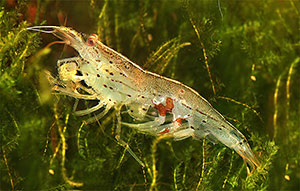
74	94
89	110
99	116
88	90
67	90
147	126
123	143
183	134
65	60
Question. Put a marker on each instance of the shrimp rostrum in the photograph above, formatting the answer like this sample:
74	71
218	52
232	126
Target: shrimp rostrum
100	73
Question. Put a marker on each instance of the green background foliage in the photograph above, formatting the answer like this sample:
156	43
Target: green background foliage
243	56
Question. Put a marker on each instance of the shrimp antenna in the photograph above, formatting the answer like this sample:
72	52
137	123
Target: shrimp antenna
38	28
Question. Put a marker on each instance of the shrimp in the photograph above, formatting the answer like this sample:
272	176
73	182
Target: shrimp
101	73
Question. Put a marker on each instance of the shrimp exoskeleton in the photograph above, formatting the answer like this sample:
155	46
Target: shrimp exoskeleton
114	81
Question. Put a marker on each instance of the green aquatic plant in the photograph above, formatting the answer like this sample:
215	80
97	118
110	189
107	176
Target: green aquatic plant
245	62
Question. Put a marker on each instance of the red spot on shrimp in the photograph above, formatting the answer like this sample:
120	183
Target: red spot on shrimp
165	131
162	110
179	120
169	104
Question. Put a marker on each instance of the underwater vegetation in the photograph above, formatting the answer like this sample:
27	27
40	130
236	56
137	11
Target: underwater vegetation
242	56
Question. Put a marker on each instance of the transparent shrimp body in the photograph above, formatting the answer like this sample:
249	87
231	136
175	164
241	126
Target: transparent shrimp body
107	76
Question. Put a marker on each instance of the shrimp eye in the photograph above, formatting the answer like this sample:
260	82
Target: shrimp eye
91	41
